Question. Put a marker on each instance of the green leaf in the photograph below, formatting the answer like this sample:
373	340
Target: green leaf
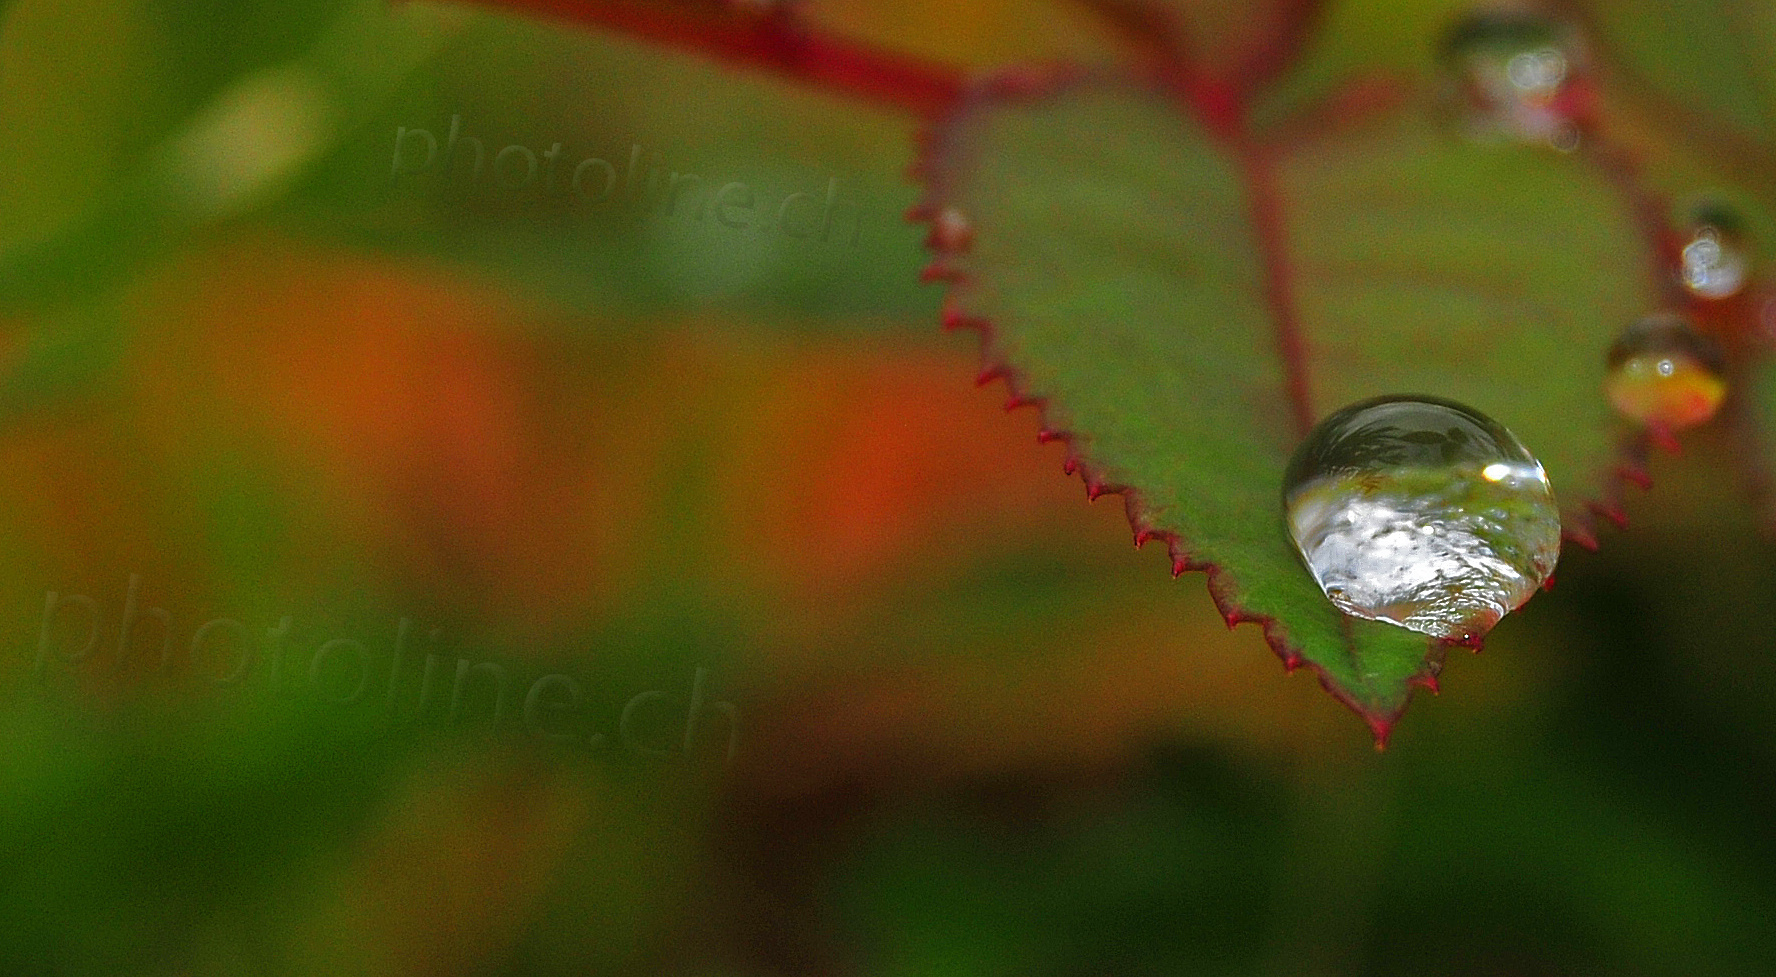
1125	274
1714	60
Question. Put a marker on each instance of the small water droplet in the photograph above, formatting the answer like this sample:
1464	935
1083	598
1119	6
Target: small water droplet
1716	258
1514	76
951	230
1423	513
1661	371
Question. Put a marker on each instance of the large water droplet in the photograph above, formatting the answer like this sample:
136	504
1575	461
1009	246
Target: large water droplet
1664	372
1423	513
1514	74
1717	257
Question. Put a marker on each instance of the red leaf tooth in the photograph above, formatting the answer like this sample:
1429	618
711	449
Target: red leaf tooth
1181	561
939	271
1096	488
1046	436
1610	511
1291	662
1660	436
1635	476
1580	535
1427	681
1147	534
952	314
988	375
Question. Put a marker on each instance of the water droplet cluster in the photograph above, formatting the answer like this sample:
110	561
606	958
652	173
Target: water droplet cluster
1423	513
1666	371
1427	514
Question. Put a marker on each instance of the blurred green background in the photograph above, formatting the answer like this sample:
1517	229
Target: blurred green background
247	366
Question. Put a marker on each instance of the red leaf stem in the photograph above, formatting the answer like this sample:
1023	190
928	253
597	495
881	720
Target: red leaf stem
1296	25
1267	220
778	43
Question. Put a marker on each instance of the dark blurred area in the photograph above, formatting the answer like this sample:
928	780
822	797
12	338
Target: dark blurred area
418	563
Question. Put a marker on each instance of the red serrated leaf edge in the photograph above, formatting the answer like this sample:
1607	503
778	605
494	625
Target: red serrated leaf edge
1221	115
779	43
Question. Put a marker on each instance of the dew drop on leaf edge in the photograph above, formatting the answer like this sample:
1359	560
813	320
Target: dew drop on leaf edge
1510	76
1423	513
1661	371
1715	262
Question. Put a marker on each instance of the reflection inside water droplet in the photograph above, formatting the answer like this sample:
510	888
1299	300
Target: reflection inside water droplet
1423	513
1537	73
1716	260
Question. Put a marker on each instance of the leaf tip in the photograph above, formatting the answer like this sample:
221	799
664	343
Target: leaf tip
1383	728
